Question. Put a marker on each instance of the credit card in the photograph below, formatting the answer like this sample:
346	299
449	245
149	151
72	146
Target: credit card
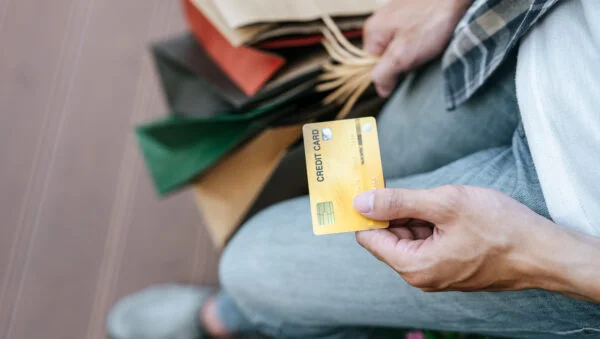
342	160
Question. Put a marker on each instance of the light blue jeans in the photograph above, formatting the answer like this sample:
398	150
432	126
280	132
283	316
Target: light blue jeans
280	279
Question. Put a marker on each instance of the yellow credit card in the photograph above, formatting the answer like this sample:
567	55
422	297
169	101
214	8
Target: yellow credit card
342	160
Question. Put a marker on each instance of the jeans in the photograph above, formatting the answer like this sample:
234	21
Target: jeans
280	279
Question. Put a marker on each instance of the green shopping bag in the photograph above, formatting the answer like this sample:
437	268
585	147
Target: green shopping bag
177	149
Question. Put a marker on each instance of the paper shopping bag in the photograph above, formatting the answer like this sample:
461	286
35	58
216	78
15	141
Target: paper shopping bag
298	40
293	34
236	37
240	13
247	67
290	33
195	86
178	149
226	192
191	81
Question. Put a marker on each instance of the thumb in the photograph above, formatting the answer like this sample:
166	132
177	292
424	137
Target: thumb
438	205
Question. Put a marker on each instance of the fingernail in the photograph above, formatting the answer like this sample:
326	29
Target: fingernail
363	203
383	92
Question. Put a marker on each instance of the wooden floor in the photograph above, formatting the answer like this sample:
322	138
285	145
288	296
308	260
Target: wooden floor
80	224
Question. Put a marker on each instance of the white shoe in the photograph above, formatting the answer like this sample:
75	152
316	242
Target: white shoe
159	312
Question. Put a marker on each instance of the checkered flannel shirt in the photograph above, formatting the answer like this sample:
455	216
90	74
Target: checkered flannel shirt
483	38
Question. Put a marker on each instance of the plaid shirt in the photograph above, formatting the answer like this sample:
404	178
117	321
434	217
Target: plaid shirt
483	38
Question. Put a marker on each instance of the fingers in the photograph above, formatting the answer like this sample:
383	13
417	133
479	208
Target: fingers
411	232
402	233
438	206
376	37
410	222
422	232
383	244
396	59
392	248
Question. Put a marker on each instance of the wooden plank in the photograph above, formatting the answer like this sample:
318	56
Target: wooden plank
83	226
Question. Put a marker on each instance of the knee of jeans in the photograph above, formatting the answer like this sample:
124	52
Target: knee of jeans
251	271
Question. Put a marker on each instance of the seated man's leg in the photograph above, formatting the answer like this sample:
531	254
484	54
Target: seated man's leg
418	135
292	283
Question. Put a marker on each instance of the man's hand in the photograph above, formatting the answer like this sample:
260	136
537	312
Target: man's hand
465	238
407	34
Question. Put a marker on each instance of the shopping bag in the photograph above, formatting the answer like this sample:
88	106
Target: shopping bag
249	68
195	86
236	37
192	83
178	149
297	40
226	192
279	34
240	13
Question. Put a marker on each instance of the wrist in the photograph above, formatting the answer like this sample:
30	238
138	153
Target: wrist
561	260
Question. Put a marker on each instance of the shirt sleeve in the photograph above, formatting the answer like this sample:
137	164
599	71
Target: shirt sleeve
485	36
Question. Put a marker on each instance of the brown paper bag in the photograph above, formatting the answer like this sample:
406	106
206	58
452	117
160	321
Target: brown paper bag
236	37
241	13
292	29
252	34
225	194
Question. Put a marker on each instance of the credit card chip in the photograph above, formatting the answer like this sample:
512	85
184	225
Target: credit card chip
325	213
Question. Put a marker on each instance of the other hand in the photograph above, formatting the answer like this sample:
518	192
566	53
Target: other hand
407	34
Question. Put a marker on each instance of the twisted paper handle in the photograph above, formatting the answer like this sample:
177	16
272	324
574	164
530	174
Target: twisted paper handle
349	75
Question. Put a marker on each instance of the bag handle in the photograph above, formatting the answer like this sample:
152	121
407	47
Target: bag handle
348	75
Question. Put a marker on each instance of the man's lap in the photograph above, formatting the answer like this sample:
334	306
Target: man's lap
294	283
287	279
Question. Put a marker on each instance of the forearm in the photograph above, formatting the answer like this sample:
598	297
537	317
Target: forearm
566	261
